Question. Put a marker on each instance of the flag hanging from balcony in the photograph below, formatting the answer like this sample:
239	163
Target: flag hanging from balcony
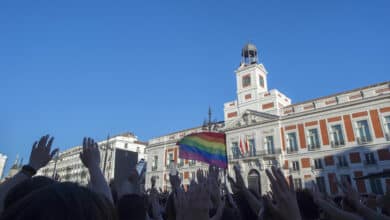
247	145
208	147
241	148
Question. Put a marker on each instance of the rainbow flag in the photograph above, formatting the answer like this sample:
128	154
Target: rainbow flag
207	147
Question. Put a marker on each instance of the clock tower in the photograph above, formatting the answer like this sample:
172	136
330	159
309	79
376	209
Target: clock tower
251	77
252	89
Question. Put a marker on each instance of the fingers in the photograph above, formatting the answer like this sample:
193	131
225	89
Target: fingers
84	142
279	180
48	146
42	141
34	146
290	179
53	153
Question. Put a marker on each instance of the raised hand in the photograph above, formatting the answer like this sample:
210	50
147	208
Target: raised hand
286	207
175	181
182	204
213	185
239	184
351	195
330	208
41	152
90	156
156	207
200	176
213	173
153	182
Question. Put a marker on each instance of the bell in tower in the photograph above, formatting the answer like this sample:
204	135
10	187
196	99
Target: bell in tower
249	54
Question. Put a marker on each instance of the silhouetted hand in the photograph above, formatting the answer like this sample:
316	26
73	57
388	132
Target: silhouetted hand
351	195
175	181
156	207
286	207
153	181
200	176
193	205
330	208
239	184
213	185
90	156
40	152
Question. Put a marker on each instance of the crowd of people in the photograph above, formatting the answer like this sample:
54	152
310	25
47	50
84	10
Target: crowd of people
26	196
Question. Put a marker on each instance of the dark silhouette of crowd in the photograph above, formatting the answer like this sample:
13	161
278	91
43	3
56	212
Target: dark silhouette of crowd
26	196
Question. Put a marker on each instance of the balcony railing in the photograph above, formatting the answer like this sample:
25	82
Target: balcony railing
154	168
262	153
337	143
292	150
363	140
313	147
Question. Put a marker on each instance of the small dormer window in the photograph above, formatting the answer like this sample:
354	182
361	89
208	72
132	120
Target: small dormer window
246	81
261	81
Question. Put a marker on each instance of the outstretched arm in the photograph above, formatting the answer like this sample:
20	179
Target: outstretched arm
354	199
40	155
286	207
329	208
239	185
90	156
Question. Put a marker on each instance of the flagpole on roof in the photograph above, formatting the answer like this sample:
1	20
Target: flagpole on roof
209	122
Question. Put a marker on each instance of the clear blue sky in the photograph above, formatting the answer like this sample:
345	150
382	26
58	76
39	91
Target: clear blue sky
76	68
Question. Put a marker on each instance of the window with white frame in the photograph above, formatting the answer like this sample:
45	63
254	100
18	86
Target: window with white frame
342	161
376	186
295	165
154	163
269	142
363	132
261	81
337	135
369	158
292	142
169	159
314	140
252	148
297	183
246	81
180	162
321	184
345	178
318	163
387	127
235	150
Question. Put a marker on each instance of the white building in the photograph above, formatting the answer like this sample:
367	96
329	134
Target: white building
69	167
3	161
341	136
